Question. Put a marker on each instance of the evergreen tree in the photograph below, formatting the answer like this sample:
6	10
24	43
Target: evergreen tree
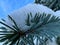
42	28
15	36
53	4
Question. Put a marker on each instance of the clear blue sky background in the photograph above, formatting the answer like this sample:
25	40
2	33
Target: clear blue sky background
8	6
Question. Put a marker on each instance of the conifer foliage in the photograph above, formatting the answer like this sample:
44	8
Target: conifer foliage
42	28
53	4
41	25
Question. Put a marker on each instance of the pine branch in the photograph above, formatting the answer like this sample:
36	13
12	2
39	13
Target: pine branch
53	4
7	26
13	22
41	25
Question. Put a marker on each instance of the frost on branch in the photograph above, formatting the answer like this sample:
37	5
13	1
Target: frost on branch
20	15
57	13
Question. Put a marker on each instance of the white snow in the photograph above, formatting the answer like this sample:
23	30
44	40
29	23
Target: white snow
20	15
57	13
52	43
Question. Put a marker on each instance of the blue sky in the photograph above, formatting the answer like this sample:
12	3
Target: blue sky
7	6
